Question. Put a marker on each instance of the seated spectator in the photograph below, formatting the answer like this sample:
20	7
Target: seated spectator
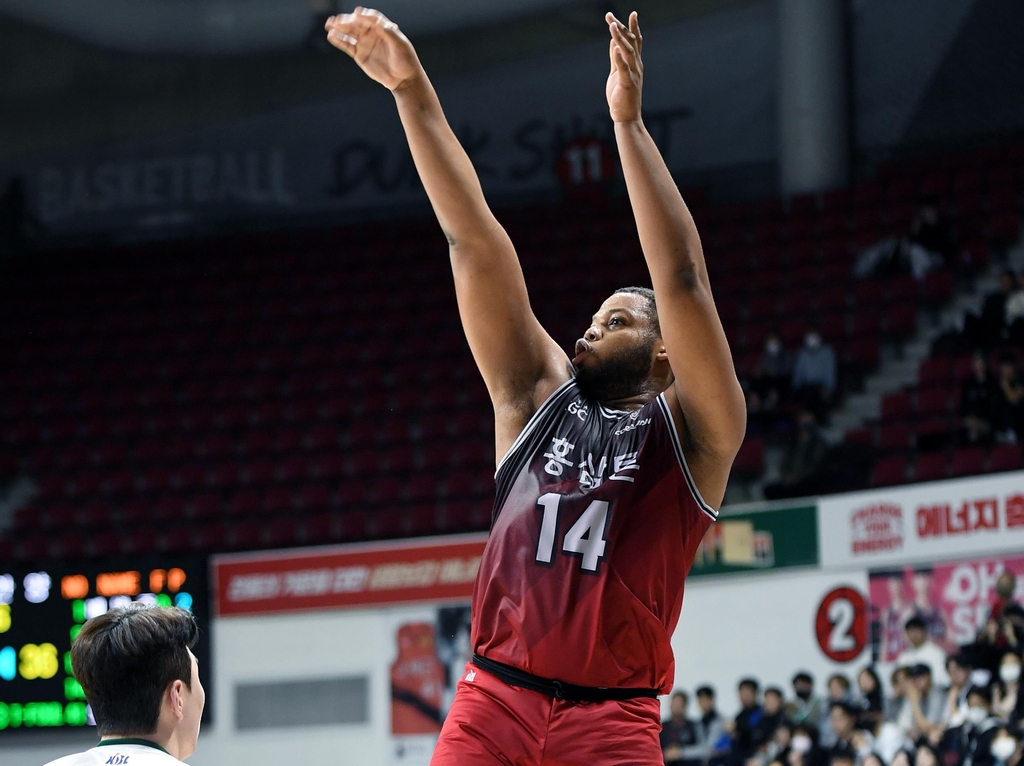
870	687
926	756
970	744
928	245
806	705
1006	588
678	734
712	738
850	741
989	329
1013	314
804	747
838	691
924	706
769	386
1006	747
894	703
977	402
959	667
750	729
921	649
801	461
1009	403
777	748
815	374
774	710
1006	695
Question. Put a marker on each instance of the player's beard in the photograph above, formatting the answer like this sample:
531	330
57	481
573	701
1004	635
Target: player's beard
617	377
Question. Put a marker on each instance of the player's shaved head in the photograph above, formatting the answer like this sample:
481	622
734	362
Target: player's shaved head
650	306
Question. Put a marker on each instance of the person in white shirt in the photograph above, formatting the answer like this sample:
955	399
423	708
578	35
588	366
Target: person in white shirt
141	680
921	650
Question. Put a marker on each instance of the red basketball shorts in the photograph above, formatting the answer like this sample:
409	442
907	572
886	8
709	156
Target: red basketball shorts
492	723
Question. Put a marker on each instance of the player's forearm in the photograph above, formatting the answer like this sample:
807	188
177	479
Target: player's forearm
668	234
444	167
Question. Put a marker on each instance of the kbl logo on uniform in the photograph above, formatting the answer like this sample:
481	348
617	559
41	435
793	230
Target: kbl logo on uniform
117	760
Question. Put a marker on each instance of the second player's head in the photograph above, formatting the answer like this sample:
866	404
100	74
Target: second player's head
136	666
621	354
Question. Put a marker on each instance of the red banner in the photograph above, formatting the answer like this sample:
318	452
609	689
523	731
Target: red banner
347	576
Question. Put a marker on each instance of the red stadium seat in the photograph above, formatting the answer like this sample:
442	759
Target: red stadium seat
894	438
967	462
930	466
1006	457
896	406
934	371
888	472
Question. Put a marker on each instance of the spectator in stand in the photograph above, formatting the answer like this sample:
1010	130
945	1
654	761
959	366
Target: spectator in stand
778	747
1006	747
1006	587
769	388
774	709
750	729
806	705
927	246
850	741
712	737
839	690
959	666
922	650
970	744
894	704
804	747
815	374
1006	698
872	700
931	230
977	402
924	706
1009	403
678	734
1013	313
926	756
801	461
989	329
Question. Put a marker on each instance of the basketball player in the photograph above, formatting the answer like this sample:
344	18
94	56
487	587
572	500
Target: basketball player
141	679
613	463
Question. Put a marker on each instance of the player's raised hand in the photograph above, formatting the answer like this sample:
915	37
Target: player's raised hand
626	80
376	44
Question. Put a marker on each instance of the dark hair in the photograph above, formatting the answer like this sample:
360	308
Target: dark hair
705	691
915	622
774	690
651	307
804	676
682	694
843	680
751	682
985	692
1013	610
125	660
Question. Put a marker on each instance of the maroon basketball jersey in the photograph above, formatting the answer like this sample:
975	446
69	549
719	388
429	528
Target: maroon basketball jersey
595	526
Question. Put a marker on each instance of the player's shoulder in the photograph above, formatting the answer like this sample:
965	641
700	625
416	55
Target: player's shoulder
86	758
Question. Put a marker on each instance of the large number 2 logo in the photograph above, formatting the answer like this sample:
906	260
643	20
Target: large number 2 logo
585	538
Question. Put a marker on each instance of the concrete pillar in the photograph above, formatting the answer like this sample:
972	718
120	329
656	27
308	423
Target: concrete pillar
813	95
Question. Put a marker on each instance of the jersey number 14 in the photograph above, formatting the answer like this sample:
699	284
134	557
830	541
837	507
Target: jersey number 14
585	538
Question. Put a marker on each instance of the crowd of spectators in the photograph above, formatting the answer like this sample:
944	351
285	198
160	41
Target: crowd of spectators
992	406
962	709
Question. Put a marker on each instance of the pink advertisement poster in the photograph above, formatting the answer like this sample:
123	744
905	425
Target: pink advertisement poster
953	598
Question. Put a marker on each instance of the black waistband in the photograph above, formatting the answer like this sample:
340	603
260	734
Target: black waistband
558	689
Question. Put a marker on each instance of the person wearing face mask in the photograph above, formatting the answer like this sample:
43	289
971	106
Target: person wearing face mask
1006	585
815	374
806	705
1006	749
970	744
803	747
1008	699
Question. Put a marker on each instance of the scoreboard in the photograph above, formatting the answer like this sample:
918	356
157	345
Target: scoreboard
42	608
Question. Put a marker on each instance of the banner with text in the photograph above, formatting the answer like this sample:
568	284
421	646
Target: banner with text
954	599
440	569
923	522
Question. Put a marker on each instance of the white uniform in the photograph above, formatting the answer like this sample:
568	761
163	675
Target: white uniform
120	752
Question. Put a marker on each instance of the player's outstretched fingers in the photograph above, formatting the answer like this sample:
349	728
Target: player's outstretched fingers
634	28
343	42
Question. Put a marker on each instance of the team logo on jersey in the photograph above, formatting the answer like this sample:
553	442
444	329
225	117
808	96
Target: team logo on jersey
117	760
579	408
633	424
471	676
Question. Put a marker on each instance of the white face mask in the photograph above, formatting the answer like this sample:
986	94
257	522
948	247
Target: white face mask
800	743
976	715
773	346
1003	748
813	340
1009	673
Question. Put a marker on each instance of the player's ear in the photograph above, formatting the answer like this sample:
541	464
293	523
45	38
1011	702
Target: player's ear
175	697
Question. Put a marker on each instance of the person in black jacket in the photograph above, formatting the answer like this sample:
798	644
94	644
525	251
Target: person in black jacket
970	743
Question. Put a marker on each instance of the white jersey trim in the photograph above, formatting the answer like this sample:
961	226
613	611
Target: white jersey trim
677	445
532	423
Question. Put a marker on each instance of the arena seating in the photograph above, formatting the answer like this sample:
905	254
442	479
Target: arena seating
292	389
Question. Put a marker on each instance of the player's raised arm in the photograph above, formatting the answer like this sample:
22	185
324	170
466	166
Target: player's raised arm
519	361
706	397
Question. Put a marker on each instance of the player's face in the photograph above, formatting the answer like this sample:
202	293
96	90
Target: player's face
195	701
614	357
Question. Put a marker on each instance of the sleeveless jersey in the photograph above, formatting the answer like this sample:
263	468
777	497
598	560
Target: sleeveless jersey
595	526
